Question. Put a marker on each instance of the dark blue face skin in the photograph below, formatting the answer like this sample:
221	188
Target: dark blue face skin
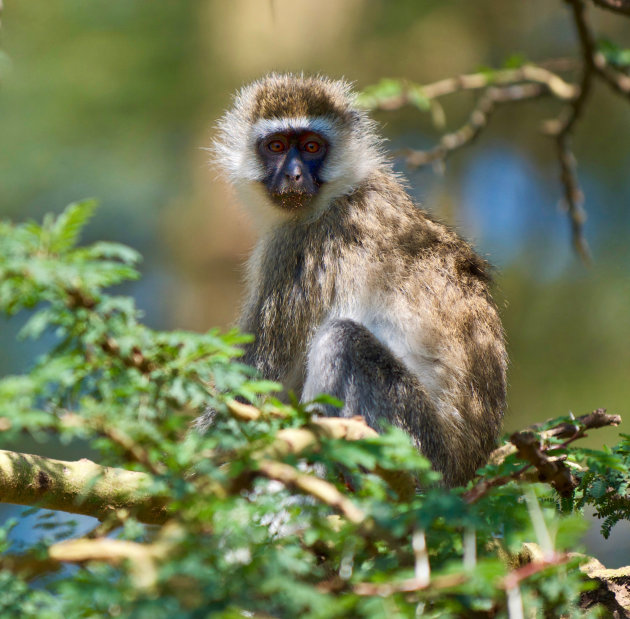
293	162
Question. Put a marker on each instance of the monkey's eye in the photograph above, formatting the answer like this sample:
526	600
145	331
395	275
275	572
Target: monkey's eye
276	146
312	147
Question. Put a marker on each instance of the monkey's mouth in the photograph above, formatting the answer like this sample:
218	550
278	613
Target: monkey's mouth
292	200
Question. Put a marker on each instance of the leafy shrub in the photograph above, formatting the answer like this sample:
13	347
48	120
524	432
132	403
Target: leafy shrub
273	512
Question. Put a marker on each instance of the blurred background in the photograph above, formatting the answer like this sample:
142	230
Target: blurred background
117	100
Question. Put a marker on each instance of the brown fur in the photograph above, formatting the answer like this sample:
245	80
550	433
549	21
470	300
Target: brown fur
423	338
303	270
280	96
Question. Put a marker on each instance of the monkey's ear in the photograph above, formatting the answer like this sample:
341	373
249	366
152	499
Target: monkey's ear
233	151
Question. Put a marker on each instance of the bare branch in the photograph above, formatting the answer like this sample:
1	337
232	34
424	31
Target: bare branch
573	196
587	51
551	470
551	467
298	440
515	577
476	123
618	81
612	590
528	73
597	419
79	487
134	451
563	126
143	558
309	484
527	82
617	6
593	63
409	586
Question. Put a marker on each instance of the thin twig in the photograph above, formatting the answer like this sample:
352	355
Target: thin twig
133	450
528	73
569	431
477	121
618	81
515	577
318	488
408	586
562	129
616	6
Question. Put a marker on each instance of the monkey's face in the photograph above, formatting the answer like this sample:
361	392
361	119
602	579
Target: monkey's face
293	161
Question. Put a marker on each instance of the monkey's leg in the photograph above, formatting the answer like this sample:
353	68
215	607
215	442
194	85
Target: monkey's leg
348	362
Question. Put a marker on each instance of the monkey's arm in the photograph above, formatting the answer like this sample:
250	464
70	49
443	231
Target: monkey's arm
348	362
431	363
278	349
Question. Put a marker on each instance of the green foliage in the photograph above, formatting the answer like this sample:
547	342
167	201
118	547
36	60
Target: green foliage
388	90
604	482
515	61
234	541
615	55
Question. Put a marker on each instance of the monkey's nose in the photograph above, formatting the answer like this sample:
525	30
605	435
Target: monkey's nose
293	172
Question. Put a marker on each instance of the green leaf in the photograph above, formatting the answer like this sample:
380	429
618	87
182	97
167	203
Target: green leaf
37	324
488	72
419	99
598	489
515	61
115	251
66	229
614	55
328	400
380	92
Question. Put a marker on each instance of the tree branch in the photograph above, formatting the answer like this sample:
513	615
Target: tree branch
528	73
297	440
477	121
79	487
618	81
520	84
549	469
143	558
616	6
84	487
318	488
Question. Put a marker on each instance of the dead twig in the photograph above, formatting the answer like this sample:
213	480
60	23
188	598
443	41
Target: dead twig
515	577
528	444
616	6
561	129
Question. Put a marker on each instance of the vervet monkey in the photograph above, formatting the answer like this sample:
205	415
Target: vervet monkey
353	290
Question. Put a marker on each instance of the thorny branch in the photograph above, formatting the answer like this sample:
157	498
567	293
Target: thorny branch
522	84
532	447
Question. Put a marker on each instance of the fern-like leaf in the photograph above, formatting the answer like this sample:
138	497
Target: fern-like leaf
67	227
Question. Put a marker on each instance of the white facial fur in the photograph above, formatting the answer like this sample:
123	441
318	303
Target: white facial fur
354	152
